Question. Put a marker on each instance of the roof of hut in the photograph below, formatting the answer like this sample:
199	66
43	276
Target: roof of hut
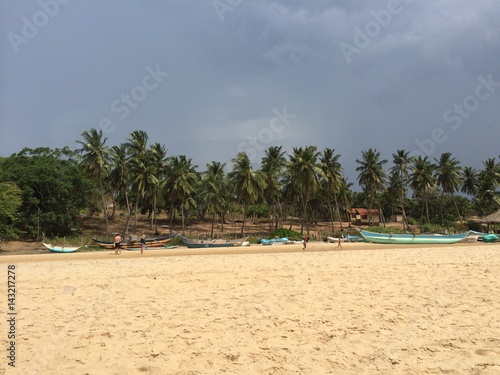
493	218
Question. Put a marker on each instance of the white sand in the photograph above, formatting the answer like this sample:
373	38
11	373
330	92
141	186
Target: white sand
407	310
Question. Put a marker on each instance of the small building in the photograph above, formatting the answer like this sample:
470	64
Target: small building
359	216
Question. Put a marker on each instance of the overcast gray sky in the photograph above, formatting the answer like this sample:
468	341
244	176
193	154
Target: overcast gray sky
212	78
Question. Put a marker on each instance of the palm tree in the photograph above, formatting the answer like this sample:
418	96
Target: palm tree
492	171
140	167
94	158
304	172
180	185
249	185
158	161
400	175
214	192
272	165
487	199
422	181
332	172
371	176
119	177
290	194
448	175
469	181
344	196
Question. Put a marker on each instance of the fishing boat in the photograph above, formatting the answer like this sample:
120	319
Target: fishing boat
61	249
347	238
150	242
389	238
200	244
152	248
274	241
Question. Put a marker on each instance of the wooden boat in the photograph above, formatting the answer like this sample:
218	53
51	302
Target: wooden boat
149	248
61	249
388	238
471	238
150	242
334	239
278	241
273	241
351	238
199	244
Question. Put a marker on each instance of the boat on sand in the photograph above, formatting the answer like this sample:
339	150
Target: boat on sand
200	244
150	242
61	249
390	238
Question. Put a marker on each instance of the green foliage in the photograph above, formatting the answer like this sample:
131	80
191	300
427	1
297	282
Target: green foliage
54	191
259	210
284	232
431	228
10	202
253	240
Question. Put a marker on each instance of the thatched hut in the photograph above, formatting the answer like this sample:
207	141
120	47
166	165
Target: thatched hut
492	219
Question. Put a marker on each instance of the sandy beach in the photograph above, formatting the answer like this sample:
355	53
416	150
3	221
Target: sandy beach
365	309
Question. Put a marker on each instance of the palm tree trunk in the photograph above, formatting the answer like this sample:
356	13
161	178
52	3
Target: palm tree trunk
155	218
338	211
304	215
182	215
406	226
441	211
456	207
171	217
136	207
104	206
129	215
330	210
213	224
244	219
427	210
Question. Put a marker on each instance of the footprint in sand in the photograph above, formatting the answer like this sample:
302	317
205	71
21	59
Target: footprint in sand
484	351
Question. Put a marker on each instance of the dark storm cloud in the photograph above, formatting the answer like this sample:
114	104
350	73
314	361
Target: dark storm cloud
353	75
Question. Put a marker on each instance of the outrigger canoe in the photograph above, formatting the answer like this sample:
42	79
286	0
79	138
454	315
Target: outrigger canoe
61	249
150	242
388	238
200	244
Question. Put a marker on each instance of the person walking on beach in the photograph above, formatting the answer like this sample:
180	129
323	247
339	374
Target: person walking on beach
143	243
304	242
117	241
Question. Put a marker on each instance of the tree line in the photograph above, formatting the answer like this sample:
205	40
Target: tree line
45	191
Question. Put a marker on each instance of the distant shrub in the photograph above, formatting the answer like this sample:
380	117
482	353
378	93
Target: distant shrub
283	232
253	239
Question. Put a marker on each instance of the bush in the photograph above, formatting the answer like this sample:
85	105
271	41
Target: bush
283	232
